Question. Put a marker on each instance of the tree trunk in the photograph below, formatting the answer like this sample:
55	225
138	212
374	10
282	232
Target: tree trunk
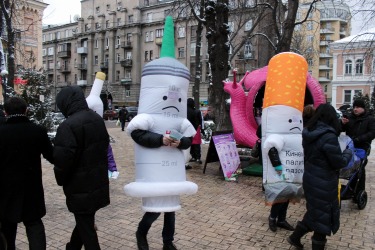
218	49
289	23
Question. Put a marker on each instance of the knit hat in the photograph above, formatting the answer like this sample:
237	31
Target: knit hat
359	103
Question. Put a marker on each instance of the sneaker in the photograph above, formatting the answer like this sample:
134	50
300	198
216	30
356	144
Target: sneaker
199	161
141	241
169	246
193	160
188	167
284	224
272	224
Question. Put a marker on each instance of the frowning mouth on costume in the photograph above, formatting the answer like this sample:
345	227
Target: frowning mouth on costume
173	107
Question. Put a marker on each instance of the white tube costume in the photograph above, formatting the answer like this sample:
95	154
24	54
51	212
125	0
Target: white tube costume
282	126
93	100
160	172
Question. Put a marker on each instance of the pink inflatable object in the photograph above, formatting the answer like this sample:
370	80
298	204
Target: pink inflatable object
241	108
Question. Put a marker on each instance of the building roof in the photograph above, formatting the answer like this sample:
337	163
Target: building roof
365	36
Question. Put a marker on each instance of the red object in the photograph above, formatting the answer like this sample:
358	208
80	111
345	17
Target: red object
197	139
19	80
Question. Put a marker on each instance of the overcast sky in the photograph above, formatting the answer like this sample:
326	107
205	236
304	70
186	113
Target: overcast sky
61	11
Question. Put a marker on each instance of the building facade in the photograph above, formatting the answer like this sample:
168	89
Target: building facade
353	67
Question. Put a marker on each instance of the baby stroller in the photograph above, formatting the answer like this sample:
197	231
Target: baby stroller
351	174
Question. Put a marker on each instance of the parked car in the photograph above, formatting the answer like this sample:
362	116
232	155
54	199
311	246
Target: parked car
132	111
110	115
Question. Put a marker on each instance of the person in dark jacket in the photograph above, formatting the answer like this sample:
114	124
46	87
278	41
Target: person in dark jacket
360	126
21	187
323	160
122	116
81	164
2	117
195	118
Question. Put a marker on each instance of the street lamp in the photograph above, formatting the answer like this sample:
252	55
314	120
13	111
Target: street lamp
4	74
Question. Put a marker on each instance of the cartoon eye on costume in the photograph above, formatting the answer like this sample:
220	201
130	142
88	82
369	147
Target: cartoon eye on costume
300	121
165	98
179	99
290	121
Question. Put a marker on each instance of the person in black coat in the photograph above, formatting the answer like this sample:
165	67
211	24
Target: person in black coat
360	126
123	113
81	164
323	160
21	188
195	118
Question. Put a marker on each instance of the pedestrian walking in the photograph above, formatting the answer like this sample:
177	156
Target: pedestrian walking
323	160
21	187
122	117
81	165
360	126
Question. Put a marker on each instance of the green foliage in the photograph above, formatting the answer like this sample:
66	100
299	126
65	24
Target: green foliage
37	93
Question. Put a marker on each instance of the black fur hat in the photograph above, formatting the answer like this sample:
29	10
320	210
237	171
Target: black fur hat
359	103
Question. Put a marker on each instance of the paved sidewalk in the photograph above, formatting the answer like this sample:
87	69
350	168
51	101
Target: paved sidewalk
222	215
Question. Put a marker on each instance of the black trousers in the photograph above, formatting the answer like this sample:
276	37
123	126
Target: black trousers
168	228
195	151
122	124
279	211
84	233
34	231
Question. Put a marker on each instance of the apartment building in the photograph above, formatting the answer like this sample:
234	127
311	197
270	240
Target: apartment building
119	38
328	22
353	67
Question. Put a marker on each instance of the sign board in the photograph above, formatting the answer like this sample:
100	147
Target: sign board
223	148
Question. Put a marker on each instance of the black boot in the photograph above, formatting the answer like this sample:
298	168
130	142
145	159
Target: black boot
295	238
141	241
272	224
318	245
169	246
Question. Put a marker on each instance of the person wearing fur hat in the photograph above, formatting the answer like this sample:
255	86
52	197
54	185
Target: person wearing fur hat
360	126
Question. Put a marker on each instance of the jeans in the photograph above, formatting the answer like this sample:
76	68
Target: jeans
168	228
84	233
122	124
279	211
34	231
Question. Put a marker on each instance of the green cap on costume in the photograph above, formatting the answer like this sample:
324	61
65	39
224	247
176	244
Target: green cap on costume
167	47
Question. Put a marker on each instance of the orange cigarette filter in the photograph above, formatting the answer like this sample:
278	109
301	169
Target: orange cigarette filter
286	81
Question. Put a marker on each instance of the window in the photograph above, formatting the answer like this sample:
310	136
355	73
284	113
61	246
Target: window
151	54
147	36
146	55
108	7
118	41
149	17
349	94
298	16
44	37
51	36
193	32
192	49
231	27
87	27
181	32
50	51
107	23
310	62
310	25
117	75
167	12
58	35
348	67
97	26
97	9
96	60
107	42
44	52
325	88
159	33
118	21
128	74
359	67
248	51
128	55
181	52
129	38
151	36
130	18
146	2
310	39
118	57
127	91
328	63
96	43
75	63
248	25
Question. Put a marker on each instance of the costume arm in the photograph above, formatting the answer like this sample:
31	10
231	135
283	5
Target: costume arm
147	138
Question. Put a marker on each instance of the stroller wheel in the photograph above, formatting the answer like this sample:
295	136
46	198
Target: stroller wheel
361	199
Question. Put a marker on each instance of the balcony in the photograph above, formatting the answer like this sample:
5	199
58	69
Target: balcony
325	55
64	54
158	40
325	67
64	69
104	65
324	79
325	42
126	81
82	66
327	30
82	50
82	82
246	56
126	63
126	45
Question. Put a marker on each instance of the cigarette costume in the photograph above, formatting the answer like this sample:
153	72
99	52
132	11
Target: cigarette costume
160	172
282	127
